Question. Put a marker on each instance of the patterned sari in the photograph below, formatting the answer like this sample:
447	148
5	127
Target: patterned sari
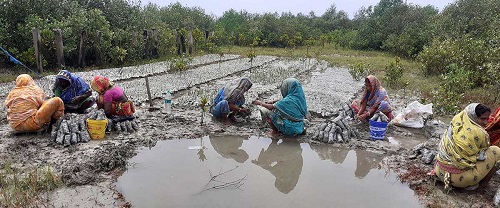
465	156
27	109
493	128
376	100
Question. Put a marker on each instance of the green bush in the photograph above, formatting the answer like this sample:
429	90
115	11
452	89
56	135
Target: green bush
359	71
393	73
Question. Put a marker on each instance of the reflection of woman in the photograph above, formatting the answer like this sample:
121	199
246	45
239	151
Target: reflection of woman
73	90
326	152
229	147
374	100
286	115
284	161
364	163
27	109
230	99
111	98
493	128
465	157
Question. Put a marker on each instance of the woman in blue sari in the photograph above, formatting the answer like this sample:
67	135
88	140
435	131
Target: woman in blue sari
287	115
74	91
230	99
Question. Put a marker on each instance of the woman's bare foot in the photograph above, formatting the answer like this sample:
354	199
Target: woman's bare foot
273	134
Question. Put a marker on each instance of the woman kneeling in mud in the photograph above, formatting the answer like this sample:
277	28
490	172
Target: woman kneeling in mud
287	115
465	158
230	99
111	98
374	100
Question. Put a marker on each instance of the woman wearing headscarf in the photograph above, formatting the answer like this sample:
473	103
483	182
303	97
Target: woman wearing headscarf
465	158
230	99
27	109
374	100
493	128
73	90
111	98
288	114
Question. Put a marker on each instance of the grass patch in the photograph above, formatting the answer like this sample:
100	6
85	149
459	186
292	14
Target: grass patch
25	189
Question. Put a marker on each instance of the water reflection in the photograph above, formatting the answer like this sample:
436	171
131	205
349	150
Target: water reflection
229	147
171	175
365	161
284	161
327	152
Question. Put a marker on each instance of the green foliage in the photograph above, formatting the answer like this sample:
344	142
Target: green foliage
393	73
359	71
180	63
449	95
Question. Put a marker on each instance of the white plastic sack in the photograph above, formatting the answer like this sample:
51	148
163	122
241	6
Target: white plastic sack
413	115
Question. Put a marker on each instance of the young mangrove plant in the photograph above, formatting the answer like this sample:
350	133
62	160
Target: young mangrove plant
203	105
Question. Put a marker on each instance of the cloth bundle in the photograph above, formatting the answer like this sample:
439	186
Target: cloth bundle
336	130
69	130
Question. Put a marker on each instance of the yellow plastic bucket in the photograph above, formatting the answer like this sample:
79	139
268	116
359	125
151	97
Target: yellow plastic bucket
97	128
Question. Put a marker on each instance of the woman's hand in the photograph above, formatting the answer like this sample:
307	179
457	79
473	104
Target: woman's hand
245	110
76	99
257	102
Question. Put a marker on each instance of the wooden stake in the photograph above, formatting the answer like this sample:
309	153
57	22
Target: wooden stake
149	93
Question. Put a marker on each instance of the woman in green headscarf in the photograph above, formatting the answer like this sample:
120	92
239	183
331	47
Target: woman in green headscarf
287	115
465	158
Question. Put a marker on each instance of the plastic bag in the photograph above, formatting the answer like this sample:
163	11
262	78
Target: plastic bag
413	115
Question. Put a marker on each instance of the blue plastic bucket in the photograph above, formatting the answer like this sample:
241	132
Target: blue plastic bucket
378	129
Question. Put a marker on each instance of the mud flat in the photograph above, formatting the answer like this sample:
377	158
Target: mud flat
89	170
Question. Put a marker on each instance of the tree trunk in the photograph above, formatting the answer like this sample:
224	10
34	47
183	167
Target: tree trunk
146	43
97	47
155	43
190	42
58	42
82	49
37	44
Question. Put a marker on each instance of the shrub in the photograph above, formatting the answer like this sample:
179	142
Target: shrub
393	73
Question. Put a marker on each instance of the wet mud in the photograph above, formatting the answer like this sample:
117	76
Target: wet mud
87	168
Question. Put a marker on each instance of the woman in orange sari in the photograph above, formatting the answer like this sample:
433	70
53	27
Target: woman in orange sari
493	128
27	109
111	98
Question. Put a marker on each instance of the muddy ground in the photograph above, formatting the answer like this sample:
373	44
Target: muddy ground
89	170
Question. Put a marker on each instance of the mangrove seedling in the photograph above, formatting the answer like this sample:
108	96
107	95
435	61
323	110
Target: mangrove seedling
203	106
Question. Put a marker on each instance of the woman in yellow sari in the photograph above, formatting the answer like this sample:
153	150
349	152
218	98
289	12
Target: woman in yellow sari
27	109
465	158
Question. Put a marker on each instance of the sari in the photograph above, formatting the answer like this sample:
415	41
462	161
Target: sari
233	92
493	128
77	87
376	100
465	156
109	93
27	108
290	112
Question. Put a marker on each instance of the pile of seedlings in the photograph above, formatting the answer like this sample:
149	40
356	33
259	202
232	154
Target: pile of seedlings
69	130
337	130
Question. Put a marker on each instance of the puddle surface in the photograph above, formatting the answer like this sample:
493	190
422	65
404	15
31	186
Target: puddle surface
177	173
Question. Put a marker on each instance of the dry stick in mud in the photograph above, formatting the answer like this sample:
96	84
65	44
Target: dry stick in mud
236	183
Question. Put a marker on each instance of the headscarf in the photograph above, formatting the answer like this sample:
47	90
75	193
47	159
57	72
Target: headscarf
24	100
463	140
235	89
100	84
377	93
293	105
77	86
493	128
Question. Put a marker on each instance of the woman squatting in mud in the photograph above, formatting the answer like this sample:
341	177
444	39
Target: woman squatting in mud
74	91
27	107
111	98
230	99
287	115
374	100
465	158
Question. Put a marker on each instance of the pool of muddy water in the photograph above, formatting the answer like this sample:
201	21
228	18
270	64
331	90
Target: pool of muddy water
259	172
